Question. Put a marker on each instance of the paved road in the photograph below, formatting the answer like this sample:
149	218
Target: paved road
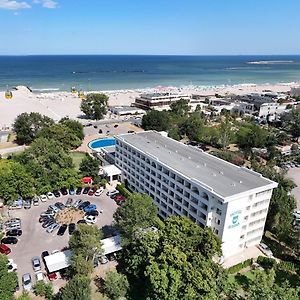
294	173
35	239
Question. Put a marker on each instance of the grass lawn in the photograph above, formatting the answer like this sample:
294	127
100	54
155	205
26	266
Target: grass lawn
77	158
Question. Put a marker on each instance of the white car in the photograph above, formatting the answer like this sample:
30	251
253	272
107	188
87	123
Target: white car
36	263
11	266
26	281
39	276
296	215
112	193
265	249
43	198
99	192
52	227
90	219
55	251
50	195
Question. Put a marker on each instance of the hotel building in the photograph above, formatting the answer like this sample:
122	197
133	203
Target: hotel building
158	101
183	180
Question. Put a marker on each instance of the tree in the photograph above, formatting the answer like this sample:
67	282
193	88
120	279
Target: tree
253	136
24	296
43	289
23	184
95	106
75	126
137	214
180	108
67	138
89	166
226	133
27	126
78	288
115	285
193	127
8	281
85	245
156	120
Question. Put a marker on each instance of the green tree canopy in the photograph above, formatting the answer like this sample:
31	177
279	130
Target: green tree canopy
180	108
89	166
193	127
74	125
95	106
43	289
8	281
78	288
27	126
115	285
156	120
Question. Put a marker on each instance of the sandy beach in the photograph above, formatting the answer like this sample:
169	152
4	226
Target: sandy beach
61	104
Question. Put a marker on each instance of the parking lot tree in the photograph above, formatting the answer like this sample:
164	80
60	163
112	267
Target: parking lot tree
193	127
180	108
85	242
138	213
78	288
24	296
15	181
27	126
8	281
89	166
67	178
95	106
43	289
74	125
80	265
115	285
61	133
156	120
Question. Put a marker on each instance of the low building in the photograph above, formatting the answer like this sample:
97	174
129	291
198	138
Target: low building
158	101
183	180
127	110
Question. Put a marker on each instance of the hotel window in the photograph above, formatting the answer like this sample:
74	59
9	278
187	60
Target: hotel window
218	211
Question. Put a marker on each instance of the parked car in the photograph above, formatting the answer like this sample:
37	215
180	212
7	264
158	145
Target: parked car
44	254
9	240
62	229
42	219
56	193
116	125
11	266
90	219
39	276
119	198
86	190
50	195
130	131
72	228
72	190
4	249
43	198
103	260
59	205
36	263
89	208
77	203
79	190
69	202
99	192
265	249
92	192
14	232
93	213
64	191
84	204
36	201
13	221
81	222
16	204
13	226
52	276
47	213
48	223
112	193
52	227
26	281
100	131
296	215
53	208
27	204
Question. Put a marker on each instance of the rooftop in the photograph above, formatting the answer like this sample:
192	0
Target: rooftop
223	178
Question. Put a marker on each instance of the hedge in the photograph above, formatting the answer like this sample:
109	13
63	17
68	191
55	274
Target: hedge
240	266
123	191
266	262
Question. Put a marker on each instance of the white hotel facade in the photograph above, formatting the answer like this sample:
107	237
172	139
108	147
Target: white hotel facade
183	180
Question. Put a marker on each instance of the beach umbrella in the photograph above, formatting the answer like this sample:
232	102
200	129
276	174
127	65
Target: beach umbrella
73	90
81	94
8	94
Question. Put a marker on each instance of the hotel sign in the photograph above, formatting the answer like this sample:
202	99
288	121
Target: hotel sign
234	216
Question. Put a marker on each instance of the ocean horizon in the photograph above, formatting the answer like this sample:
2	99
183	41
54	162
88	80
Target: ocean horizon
117	72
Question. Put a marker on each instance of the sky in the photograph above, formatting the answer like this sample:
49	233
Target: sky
167	27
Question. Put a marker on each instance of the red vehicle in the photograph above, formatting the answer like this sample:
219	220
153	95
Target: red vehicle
92	191
119	198
4	249
52	276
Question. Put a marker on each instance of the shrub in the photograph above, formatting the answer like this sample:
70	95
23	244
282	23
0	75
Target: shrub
266	262
123	190
288	266
240	266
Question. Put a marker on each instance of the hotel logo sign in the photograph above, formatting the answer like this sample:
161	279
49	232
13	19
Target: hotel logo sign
234	216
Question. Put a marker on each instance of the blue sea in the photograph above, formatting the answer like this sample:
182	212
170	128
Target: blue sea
115	72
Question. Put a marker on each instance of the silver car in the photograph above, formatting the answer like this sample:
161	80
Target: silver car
52	227
36	264
69	202
26	281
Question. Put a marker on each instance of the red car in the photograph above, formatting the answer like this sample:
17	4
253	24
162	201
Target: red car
92	191
119	198
4	249
52	276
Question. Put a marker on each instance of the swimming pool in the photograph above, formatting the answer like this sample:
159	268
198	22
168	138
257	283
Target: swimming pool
100	143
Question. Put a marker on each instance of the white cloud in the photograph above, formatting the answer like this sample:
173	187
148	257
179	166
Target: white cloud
46	3
13	5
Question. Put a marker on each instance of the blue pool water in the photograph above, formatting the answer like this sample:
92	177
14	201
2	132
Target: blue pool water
102	143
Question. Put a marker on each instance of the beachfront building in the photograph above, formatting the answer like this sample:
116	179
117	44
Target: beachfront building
158	101
274	109
183	180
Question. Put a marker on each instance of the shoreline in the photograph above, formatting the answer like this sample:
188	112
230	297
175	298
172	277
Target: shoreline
59	104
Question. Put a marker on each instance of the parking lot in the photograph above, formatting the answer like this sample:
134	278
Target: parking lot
35	239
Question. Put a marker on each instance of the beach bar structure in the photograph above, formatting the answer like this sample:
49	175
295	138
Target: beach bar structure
183	180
